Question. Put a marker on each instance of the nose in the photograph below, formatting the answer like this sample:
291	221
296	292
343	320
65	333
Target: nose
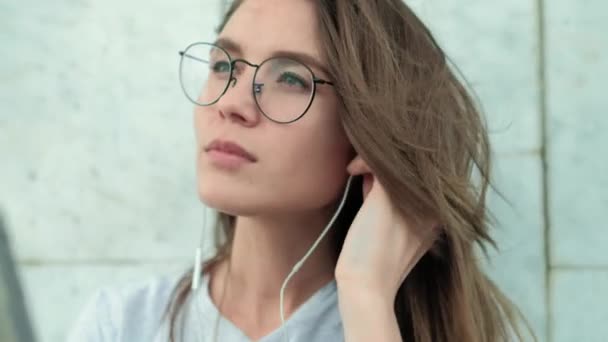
238	104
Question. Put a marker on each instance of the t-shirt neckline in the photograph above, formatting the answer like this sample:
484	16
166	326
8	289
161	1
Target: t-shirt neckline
318	302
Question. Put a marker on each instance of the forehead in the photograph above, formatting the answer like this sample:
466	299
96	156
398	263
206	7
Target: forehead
263	26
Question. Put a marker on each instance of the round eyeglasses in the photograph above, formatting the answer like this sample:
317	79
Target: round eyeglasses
283	88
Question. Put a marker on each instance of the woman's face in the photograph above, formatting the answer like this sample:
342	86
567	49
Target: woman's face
298	167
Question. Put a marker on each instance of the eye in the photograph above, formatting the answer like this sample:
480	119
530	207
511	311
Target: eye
293	80
220	66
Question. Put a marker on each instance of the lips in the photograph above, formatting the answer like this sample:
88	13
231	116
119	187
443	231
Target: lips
230	147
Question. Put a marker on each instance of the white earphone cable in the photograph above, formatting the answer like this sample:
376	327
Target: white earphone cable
299	264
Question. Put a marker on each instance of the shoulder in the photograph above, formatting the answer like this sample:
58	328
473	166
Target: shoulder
127	313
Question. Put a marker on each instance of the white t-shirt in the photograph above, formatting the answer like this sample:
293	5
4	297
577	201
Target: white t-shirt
135	314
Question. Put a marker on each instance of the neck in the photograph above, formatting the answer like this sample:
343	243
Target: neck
263	253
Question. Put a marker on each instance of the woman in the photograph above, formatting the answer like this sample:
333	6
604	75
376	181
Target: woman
295	100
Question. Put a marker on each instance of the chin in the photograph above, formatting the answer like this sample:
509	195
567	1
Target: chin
229	208
223	200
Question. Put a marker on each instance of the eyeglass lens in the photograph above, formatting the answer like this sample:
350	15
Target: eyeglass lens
282	87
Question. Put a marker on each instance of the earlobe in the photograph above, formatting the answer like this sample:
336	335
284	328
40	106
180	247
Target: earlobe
358	166
349	167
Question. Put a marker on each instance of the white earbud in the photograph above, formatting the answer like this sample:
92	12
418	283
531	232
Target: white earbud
196	275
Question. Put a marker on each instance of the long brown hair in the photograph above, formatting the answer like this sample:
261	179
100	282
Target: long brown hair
411	118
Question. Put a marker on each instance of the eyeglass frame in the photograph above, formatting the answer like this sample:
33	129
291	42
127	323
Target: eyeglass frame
233	80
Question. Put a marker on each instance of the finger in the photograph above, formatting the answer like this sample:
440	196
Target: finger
368	182
373	189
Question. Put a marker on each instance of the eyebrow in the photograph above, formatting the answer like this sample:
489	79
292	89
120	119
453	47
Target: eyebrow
232	46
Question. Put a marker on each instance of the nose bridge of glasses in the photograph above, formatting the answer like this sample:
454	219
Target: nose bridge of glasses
236	71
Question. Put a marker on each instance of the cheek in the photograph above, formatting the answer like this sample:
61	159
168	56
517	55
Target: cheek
318	155
198	123
312	170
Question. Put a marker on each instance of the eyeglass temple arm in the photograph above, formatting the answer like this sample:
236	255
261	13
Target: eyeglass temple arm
320	81
183	54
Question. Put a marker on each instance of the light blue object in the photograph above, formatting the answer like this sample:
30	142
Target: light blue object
134	314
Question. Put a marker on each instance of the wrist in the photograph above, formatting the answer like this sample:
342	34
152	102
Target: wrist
367	315
364	297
